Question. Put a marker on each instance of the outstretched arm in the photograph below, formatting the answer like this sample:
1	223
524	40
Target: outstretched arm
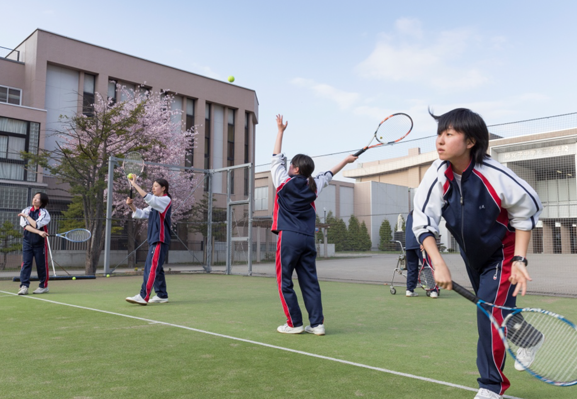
281	128
137	187
338	167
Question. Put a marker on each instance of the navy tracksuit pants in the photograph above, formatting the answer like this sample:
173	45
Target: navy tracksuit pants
297	252
154	272
492	285
413	257
38	253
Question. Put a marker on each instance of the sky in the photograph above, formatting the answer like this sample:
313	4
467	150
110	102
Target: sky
335	71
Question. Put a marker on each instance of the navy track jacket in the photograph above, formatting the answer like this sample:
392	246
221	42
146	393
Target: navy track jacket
42	218
294	203
492	204
158	213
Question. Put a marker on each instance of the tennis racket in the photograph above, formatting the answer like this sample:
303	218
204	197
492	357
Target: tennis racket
398	125
133	163
76	235
542	342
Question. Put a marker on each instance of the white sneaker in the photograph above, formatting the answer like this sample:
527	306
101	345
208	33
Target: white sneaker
434	294
290	330
157	299
136	299
318	330
486	394
526	356
40	290
411	293
23	290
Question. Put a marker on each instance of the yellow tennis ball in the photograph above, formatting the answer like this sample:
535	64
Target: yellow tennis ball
231	78
73	278
130	175
108	275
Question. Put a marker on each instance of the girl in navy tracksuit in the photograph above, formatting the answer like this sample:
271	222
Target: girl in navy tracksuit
490	211
34	220
294	221
158	214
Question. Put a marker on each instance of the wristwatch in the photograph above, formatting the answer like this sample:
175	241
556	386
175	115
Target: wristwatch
520	259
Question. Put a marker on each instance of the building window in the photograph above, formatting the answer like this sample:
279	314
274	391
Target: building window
189	160
112	91
13	140
261	198
207	141
230	146
246	151
88	95
10	95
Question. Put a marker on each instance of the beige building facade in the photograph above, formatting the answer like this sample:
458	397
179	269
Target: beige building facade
49	75
545	160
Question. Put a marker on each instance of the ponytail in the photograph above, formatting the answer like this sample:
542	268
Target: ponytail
306	167
312	184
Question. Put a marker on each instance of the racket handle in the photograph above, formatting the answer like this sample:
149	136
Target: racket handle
464	292
359	152
131	193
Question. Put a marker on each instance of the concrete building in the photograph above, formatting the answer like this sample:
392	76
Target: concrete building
49	75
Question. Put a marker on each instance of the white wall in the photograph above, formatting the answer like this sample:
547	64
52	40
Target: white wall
61	99
217	146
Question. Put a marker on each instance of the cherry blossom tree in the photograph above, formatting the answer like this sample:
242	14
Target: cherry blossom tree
145	123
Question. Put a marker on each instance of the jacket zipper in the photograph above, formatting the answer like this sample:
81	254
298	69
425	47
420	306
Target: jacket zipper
463	220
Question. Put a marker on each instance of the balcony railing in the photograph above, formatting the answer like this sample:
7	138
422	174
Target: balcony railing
9	53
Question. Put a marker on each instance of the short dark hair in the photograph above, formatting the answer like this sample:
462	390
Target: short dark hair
306	167
469	123
43	199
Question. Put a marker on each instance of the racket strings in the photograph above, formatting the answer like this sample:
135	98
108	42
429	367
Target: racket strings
133	163
78	235
427	278
544	344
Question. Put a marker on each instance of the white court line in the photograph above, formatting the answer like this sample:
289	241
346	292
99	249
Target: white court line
416	377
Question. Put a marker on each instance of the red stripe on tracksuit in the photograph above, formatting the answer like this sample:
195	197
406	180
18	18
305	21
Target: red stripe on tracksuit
278	266
152	274
499	351
162	217
274	226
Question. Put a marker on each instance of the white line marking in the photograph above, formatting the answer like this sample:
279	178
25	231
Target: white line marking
416	377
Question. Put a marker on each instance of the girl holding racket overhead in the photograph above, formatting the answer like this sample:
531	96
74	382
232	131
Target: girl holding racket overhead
158	214
294	221
34	220
490	211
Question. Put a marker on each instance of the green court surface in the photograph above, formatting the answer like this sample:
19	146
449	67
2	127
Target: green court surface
217	338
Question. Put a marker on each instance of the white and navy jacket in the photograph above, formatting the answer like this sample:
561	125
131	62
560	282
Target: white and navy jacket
482	215
158	214
294	203
42	218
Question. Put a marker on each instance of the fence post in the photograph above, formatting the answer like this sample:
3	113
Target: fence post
107	235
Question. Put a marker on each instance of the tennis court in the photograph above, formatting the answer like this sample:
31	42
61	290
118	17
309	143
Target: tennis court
217	338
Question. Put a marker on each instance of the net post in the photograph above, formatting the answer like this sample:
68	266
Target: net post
250	215
228	222
208	248
108	233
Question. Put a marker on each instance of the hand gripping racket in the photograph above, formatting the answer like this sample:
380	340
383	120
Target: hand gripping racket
399	125
542	342
133	164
